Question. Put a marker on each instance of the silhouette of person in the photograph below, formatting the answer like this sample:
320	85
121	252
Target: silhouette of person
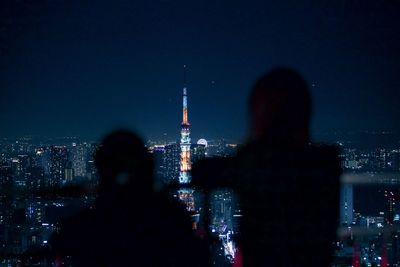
131	225
288	187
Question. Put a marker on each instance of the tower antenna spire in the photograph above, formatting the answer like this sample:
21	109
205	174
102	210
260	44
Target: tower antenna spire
184	75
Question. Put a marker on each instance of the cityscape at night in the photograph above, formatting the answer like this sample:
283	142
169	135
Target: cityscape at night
370	209
263	126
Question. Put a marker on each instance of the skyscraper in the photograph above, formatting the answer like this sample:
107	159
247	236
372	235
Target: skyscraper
197	152
58	159
35	178
78	158
91	170
346	204
391	199
42	159
19	165
172	162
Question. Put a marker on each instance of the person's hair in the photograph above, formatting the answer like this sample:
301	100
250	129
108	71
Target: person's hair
122	159
281	100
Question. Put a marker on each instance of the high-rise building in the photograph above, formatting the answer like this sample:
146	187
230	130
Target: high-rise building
42	159
222	209
390	212
6	194
159	165
6	204
197	152
69	172
19	165
394	160
35	178
79	159
91	170
58	161
34	212
346	204
172	162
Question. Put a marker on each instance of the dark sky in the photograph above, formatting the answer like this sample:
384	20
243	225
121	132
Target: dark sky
70	67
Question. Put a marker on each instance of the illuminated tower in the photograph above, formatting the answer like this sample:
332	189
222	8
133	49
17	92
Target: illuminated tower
185	164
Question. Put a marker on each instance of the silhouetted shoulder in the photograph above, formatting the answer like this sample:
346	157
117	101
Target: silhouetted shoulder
157	233
320	157
290	199
325	152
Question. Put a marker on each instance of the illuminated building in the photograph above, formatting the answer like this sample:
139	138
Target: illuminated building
35	213
220	148
58	161
172	161
159	165
78	158
19	166
42	159
91	170
391	199
69	172
222	208
346	204
6	194
197	152
35	178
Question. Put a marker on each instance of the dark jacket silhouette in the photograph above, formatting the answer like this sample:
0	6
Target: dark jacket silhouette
288	187
131	225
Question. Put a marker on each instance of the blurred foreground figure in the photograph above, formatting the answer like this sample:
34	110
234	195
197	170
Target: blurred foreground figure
288	187
131	225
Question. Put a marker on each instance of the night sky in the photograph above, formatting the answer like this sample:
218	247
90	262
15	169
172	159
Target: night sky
70	67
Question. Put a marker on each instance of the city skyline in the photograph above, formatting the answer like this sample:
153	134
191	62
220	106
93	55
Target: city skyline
72	68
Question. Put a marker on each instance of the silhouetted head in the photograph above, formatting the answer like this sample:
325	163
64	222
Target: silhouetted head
123	164
280	108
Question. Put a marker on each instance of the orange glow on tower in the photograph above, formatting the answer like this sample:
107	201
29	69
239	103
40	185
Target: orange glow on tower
185	163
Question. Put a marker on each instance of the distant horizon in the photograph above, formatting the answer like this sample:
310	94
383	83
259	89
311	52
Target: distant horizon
322	136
